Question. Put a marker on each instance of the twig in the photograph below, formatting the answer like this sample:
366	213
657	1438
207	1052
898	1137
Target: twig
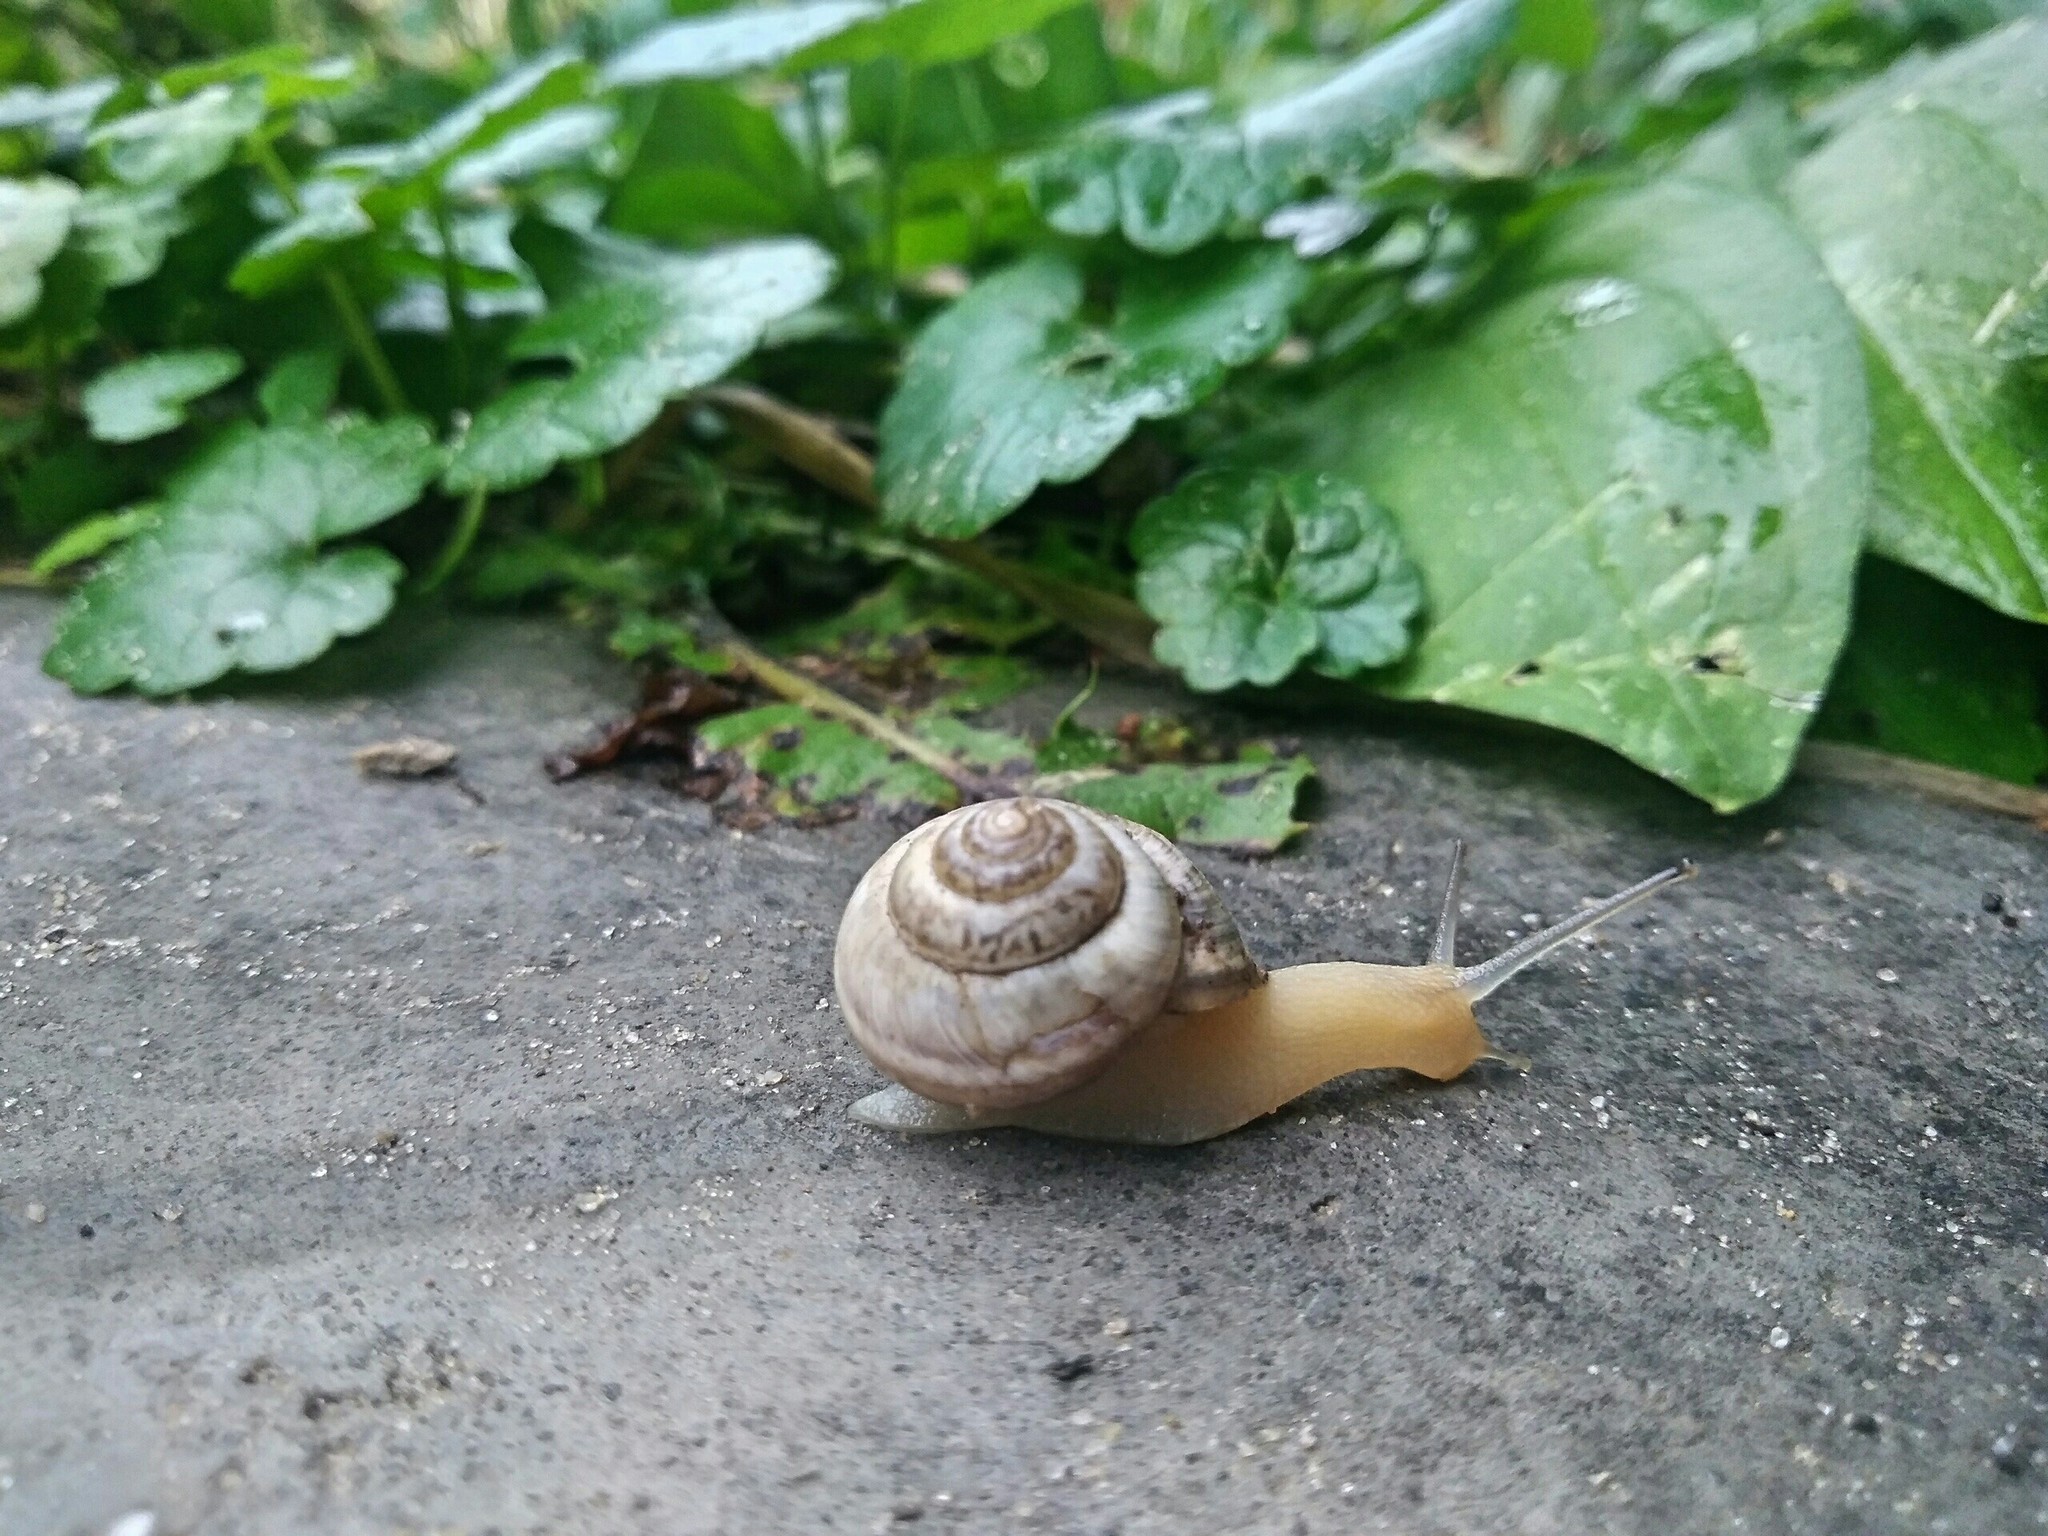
23	576
1115	624
1881	770
816	697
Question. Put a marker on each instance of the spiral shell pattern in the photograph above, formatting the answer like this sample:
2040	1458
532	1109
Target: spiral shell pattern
1001	954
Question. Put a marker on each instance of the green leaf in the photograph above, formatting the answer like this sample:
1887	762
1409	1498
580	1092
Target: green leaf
639	635
1012	387
35	217
125	231
556	139
1634	487
635	343
182	142
730	42
288	77
1244	807
1928	673
1565	32
330	214
92	538
976	746
923	33
1929	209
148	396
710	167
62	113
1179	170
818	762
301	386
1251	572
233	573
529	92
2018	333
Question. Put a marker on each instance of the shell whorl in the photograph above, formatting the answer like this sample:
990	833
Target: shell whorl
1004	953
1005	884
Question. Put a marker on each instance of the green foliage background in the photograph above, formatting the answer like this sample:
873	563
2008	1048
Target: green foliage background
1673	373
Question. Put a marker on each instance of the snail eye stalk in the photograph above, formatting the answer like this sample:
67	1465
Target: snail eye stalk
1477	981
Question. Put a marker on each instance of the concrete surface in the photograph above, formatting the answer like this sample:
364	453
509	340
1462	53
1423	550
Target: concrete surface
375	1160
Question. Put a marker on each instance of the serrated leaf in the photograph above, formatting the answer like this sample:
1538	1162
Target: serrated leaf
1634	487
635	343
148	395
91	538
301	385
1929	208
1245	807
730	42
182	142
815	762
924	33
35	217
1251	573
1012	387
1180	170
124	231
1929	673
233	573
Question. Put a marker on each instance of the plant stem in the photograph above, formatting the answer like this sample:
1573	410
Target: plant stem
460	336
21	576
892	185
816	697
468	520
831	217
1115	624
1881	770
339	295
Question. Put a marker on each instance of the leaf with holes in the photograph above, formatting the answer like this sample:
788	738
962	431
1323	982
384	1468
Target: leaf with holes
35	216
1635	486
1244	807
1014	387
1180	170
634	343
1251	573
233	573
147	396
1931	211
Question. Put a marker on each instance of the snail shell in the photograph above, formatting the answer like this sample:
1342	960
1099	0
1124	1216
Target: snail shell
1005	952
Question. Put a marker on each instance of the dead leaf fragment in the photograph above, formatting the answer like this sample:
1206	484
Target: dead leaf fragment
671	703
407	757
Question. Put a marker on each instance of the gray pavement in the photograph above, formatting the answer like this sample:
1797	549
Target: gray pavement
376	1160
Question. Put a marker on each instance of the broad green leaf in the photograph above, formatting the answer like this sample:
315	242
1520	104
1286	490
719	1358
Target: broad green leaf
711	167
1012	387
1929	208
1244	807
923	33
1179	170
1565	32
35	216
816	762
635	343
730	42
180	142
301	386
1251	572
2020	333
233	574
329	214
124	231
148	396
63	113
92	538
1634	486
1929	673
288	77
529	92
556	139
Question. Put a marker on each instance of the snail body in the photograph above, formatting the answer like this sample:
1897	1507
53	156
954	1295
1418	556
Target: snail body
1002	973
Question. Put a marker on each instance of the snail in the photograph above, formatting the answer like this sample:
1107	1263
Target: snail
1036	963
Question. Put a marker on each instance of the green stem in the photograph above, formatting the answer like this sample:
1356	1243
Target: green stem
461	338
339	295
463	535
892	185
831	217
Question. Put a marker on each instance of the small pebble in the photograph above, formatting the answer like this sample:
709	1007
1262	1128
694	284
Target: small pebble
1117	1327
408	757
593	1200
1780	1338
1888	976
36	1212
